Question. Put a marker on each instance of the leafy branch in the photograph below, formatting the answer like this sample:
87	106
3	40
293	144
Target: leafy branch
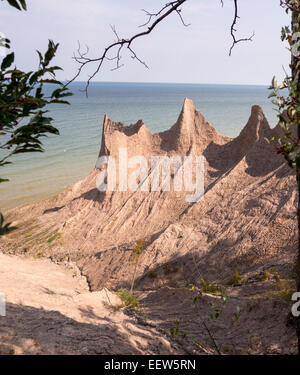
21	97
286	96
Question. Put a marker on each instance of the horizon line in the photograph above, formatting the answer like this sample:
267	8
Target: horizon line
174	83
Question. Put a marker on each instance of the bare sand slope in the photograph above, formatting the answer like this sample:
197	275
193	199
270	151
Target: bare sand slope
51	311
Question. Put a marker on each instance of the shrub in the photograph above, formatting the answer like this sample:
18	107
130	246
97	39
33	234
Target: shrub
236	280
128	298
268	275
210	288
285	290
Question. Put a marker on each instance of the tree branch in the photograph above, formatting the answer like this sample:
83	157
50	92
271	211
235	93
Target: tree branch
120	43
153	20
233	30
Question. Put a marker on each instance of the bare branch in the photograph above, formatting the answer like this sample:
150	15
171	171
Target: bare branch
178	11
233	30
120	43
152	21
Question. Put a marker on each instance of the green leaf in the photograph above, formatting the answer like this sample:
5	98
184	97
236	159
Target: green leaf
40	56
35	76
23	3
7	61
53	68
59	101
50	81
50	53
14	3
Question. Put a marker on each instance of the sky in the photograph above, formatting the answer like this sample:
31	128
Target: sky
198	53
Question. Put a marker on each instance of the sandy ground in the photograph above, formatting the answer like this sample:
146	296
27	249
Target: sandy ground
49	310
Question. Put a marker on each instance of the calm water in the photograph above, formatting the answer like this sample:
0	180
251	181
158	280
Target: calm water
72	155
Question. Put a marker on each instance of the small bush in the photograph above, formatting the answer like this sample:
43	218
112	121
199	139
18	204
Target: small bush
285	290
174	331
264	276
236	280
210	288
268	275
275	274
128	299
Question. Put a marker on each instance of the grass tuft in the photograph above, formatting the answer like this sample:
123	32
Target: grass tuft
128	299
54	237
210	288
236	280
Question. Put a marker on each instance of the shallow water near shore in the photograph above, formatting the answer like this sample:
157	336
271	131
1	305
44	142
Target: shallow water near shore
72	155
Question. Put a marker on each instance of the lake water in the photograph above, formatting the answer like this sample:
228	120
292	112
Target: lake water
72	155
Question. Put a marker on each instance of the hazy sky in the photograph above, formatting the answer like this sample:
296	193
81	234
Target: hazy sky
174	53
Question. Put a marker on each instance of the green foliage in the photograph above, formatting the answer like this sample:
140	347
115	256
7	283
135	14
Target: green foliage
236	280
23	119
290	5
174	331
216	311
19	4
275	274
285	290
4	42
54	237
268	275
210	288
128	298
136	252
21	98
287	94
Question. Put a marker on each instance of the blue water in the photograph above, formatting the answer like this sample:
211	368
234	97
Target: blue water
72	155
